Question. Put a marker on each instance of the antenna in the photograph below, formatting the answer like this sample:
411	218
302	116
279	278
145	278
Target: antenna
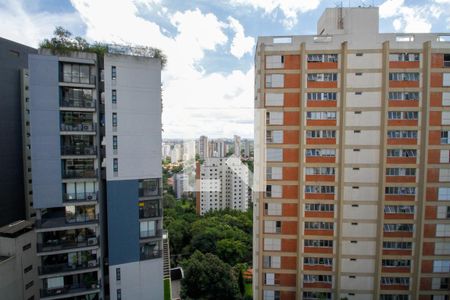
340	19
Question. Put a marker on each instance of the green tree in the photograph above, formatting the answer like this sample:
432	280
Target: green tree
207	277
169	201
231	251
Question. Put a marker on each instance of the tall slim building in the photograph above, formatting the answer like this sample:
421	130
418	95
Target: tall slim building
14	200
203	147
237	146
352	163
94	131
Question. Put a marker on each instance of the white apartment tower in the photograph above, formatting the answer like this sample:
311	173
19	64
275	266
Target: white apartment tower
223	184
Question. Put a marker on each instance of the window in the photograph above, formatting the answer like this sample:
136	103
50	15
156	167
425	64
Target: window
321	115
114	119
113	72
274	154
402	134
321	152
394	297
444	193
404	76
274	61
275	80
320	171
273	262
398	227
28	269
401	152
274	173
397	245
322	96
398	209
273	209
273	191
395	281
445	118
322	58
117	274
271	295
26	247
318	261
29	284
147	228
115	144
400	172
318	189
443	230
322	77
119	294
404	57
444	175
272	226
445	140
114	96
319	243
115	165
446	99
272	244
446	79
443	212
319	225
321	134
274	136
274	118
396	263
319	207
403	96
274	99
440	283
317	278
441	266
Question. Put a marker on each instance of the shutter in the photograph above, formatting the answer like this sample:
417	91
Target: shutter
274	99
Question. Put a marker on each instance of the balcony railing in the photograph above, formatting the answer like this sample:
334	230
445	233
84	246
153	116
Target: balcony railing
74	174
69	78
79	150
151	255
85	127
76	197
77	102
62	268
66	221
70	289
150	213
60	244
149	234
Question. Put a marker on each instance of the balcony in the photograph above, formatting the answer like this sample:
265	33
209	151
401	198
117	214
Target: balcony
80	197
147	213
64	267
79	150
77	79
65	243
77	102
81	219
151	255
70	290
78	174
150	234
81	127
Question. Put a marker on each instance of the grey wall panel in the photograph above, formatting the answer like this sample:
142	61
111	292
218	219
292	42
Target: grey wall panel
123	221
45	134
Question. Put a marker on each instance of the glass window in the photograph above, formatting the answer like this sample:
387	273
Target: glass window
114	96
116	165
113	72
114	119
84	74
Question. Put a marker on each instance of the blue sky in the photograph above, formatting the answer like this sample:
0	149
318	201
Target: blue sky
208	83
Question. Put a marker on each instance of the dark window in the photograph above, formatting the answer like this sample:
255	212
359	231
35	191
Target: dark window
26	247
14	52
114	96
28	269
119	294
118	274
114	119
113	72
29	284
116	165
115	142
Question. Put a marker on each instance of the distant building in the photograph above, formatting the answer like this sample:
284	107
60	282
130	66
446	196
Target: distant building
165	149
181	184
217	148
176	154
18	262
237	146
223	184
203	147
248	148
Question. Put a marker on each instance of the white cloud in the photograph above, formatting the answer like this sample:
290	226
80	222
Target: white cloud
20	26
241	44
442	1
397	24
290	8
194	102
390	8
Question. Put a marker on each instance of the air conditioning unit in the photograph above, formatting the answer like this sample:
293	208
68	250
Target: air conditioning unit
89	197
92	241
92	263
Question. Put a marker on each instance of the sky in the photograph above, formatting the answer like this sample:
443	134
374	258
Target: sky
208	83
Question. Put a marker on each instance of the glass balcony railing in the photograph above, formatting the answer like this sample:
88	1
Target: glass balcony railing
75	174
64	267
76	197
66	243
85	127
67	221
151	254
79	150
77	102
76	78
70	289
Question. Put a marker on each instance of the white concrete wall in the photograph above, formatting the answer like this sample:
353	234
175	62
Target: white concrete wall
366	99
365	137
365	80
366	61
138	108
359	230
138	280
360	283
368	175
363	156
360	248
362	212
364	193
365	118
358	265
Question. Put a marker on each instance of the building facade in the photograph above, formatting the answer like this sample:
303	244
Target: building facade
95	140
203	147
352	163
18	262
237	146
223	184
15	203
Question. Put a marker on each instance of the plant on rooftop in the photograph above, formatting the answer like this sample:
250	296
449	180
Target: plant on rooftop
63	42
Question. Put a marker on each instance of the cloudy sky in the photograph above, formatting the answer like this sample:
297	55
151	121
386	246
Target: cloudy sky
208	82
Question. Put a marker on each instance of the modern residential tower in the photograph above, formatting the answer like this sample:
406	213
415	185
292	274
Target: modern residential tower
352	141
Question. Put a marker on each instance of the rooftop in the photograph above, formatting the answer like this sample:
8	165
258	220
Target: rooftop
16	229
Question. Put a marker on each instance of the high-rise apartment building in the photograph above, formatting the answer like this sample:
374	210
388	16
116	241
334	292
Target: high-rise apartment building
223	184
352	141
203	147
15	203
237	146
94	138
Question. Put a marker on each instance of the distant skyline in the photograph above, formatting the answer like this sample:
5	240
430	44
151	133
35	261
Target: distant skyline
209	80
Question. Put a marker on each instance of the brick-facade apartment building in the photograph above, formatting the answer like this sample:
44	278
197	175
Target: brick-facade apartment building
352	143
